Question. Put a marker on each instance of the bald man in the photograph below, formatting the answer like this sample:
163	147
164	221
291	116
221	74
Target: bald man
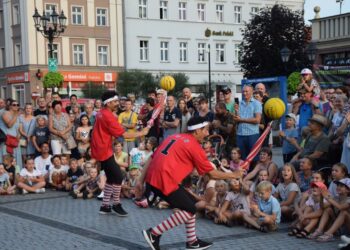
187	95
264	119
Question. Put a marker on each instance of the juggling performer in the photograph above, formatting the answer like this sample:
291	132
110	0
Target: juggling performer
174	160
106	127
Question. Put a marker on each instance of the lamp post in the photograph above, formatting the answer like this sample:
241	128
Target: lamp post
311	52
340	3
50	30
209	75
285	54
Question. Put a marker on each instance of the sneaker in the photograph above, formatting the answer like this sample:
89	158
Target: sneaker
118	209
105	210
152	240
198	244
100	196
24	191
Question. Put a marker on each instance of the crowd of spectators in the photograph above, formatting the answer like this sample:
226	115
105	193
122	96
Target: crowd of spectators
49	147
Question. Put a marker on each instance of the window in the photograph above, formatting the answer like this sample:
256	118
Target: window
237	54
201	12
163	10
237	14
18	54
254	10
143	50
77	15
55	52
183	52
182	11
78	54
220	53
101	17
201	52
1	19
49	8
102	55
2	58
18	94
142	8
164	51
16	18
220	13
3	92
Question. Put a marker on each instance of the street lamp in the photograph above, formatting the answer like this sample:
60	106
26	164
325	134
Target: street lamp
209	72
50	30
285	53
340	3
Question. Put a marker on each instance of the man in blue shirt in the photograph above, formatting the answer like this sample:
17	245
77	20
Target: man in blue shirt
248	118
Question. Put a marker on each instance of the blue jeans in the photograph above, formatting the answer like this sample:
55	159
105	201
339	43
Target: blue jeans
245	143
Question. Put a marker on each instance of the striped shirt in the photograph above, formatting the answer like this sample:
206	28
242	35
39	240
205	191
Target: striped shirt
249	110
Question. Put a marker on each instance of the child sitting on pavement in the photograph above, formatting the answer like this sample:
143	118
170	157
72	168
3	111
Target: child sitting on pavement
57	174
30	179
5	184
129	183
73	175
89	188
267	213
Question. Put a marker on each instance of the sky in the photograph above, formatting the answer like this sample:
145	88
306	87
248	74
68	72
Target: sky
328	8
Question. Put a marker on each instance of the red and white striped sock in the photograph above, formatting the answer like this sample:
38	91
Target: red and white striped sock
116	194
108	190
191	229
178	218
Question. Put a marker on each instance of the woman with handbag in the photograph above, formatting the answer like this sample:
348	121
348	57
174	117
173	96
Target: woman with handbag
11	129
26	128
60	127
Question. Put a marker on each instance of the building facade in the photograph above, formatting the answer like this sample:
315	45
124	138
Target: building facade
332	38
171	36
90	49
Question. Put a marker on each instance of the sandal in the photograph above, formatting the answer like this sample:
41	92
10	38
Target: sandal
314	235
294	231
263	229
302	234
325	238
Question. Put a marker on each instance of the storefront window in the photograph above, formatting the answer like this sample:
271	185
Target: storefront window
18	93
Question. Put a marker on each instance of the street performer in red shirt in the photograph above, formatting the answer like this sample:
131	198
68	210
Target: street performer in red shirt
174	160
105	129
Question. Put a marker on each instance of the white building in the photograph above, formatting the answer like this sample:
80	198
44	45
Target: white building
168	36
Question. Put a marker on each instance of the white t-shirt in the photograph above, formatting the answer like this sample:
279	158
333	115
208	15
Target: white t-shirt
53	170
238	201
42	165
25	173
284	190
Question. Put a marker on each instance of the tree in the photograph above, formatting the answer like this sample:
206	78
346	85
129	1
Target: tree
266	34
53	80
137	82
293	82
93	90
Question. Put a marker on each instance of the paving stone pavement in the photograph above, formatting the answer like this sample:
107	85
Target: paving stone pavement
56	221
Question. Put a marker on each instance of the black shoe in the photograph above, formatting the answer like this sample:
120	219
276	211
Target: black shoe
118	209
105	210
152	240
198	244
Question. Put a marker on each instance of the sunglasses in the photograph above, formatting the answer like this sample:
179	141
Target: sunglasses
15	105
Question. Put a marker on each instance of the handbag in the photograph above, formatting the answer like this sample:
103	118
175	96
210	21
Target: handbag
2	136
24	142
70	142
11	143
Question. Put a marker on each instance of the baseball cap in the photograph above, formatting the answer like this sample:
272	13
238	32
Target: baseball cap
319	185
134	166
291	115
306	71
123	98
345	181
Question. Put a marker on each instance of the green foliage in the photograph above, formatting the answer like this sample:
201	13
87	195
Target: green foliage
265	35
93	90
293	82
53	79
135	81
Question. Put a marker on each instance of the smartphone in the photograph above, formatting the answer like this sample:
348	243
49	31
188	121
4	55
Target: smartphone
236	100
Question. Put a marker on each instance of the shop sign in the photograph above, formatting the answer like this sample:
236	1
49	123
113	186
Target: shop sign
18	77
89	76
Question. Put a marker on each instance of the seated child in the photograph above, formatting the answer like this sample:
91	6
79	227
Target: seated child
10	167
263	175
5	184
288	191
310	213
305	174
341	206
137	155
129	183
236	160
221	188
267	214
57	174
236	203
30	179
89	187
73	175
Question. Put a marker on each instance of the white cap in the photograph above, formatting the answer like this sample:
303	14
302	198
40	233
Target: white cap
306	71
291	115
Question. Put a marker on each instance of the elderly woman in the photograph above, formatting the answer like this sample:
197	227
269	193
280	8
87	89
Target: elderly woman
27	124
60	128
10	125
89	111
